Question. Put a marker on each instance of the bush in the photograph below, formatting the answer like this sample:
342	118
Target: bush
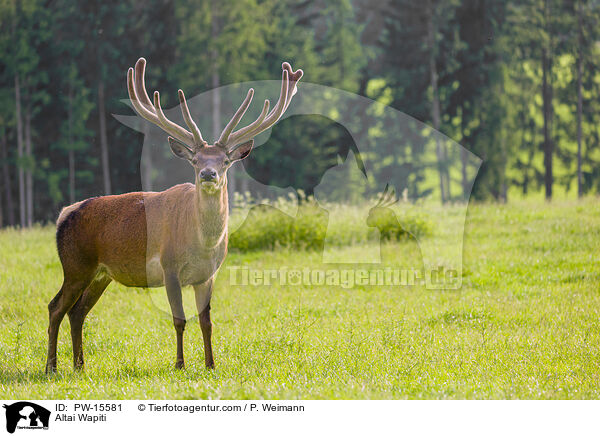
266	227
397	227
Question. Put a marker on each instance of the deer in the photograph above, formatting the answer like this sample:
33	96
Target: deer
381	215
174	238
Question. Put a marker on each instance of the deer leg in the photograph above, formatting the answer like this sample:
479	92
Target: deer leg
175	301
203	293
69	293
79	311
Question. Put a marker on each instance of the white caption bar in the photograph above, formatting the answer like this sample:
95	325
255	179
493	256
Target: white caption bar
150	417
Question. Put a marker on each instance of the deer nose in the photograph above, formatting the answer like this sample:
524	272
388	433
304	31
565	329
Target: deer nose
208	174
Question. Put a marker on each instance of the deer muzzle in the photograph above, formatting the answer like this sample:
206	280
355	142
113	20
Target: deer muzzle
209	175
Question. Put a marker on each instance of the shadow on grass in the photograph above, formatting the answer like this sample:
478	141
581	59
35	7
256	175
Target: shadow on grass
25	376
29	376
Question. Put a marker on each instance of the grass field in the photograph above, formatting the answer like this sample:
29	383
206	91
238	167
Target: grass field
526	324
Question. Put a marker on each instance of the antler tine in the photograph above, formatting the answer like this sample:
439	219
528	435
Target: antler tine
289	79
139	107
388	197
236	119
294	78
188	120
140	82
141	102
169	126
240	137
391	197
280	106
255	125
383	194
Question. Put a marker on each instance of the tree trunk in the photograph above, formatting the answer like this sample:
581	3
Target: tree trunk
548	109
215	79
503	184
216	95
146	161
103	139
340	42
463	158
216	105
435	106
243	182
504	153
10	215
579	97
465	183
29	169
1	209
530	157
71	149
21	173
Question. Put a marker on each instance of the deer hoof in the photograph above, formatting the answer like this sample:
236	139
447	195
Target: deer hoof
179	364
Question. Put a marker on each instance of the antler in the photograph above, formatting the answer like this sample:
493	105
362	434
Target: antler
388	197
230	141
153	112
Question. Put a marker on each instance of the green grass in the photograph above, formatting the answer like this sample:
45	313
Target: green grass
526	323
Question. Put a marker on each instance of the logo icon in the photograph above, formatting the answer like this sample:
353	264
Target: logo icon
26	415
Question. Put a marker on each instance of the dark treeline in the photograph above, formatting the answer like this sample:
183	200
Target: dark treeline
515	82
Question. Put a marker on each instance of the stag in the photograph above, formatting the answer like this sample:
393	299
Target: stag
381	215
172	238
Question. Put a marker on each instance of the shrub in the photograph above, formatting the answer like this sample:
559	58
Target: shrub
394	227
266	227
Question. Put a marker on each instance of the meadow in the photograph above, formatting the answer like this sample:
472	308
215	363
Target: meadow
525	324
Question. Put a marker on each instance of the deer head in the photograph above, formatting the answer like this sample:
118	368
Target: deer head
210	162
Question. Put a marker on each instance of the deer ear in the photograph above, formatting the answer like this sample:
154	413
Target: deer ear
179	149
242	151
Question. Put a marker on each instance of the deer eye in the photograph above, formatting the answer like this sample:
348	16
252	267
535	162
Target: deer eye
226	162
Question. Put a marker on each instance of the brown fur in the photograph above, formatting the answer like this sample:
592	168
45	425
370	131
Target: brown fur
179	234
173	238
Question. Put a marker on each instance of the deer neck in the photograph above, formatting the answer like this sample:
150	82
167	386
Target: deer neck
213	213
